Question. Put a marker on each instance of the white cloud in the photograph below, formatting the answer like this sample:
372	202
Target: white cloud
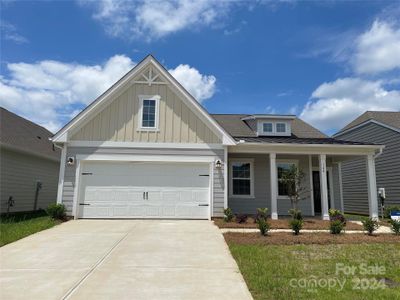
337	103
199	86
378	49
151	19
9	32
50	92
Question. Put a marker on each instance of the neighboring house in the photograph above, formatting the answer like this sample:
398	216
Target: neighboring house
372	127
147	149
29	164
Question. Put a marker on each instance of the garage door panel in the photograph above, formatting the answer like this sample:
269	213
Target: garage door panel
118	190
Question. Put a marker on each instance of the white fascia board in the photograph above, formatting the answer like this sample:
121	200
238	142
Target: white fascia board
363	124
112	144
93	107
306	148
199	110
98	102
286	117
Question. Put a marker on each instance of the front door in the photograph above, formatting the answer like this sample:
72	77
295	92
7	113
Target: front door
317	192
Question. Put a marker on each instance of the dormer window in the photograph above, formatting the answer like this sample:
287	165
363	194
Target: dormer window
268	127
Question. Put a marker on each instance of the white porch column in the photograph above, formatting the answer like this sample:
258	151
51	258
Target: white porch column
274	186
324	187
372	190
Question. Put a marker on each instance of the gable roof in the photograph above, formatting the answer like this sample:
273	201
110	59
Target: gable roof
389	118
20	134
94	107
236	127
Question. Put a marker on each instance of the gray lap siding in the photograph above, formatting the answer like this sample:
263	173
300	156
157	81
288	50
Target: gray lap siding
218	182
262	186
387	168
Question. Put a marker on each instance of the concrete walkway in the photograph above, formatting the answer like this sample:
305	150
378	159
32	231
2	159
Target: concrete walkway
122	259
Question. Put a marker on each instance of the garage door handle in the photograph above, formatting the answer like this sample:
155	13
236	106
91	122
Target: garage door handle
84	204
203	204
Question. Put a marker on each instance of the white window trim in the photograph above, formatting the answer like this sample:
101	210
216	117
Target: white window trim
286	127
157	116
267	132
274	132
283	161
241	160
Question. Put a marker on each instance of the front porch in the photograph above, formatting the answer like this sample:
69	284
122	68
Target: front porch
254	177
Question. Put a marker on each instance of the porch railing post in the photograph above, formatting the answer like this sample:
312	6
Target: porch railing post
274	186
372	190
323	186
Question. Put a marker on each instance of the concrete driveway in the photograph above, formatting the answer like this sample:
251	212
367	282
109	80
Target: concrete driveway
122	259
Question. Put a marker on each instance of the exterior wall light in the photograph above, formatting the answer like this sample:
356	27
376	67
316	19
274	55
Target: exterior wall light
218	164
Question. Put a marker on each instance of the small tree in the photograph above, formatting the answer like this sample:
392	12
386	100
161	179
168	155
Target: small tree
293	181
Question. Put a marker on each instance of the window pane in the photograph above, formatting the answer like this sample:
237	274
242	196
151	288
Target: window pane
241	187
149	113
267	127
241	170
280	127
282	187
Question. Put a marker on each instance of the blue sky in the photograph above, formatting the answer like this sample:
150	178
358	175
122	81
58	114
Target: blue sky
324	61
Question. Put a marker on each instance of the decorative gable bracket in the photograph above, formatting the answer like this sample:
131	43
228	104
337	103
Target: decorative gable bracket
150	77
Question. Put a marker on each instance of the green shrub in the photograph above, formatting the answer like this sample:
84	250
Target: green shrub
370	225
296	214
241	218
296	225
263	226
336	226
389	209
56	211
395	224
228	215
262	213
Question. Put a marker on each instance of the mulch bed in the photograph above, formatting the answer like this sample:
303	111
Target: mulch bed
283	224
286	238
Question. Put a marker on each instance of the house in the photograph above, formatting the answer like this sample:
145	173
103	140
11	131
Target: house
29	165
380	127
147	149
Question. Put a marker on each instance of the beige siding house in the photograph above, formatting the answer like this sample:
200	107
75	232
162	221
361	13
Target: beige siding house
147	149
29	165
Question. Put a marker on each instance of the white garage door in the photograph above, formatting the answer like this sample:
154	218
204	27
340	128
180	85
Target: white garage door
144	190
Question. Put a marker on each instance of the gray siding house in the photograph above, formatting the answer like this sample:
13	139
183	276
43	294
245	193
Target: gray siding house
380	128
147	149
29	164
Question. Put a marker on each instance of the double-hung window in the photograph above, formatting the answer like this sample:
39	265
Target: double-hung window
148	119
283	167
268	128
281	127
241	178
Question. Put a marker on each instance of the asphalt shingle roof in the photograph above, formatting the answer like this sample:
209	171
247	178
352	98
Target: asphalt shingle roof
302	133
390	118
24	135
236	127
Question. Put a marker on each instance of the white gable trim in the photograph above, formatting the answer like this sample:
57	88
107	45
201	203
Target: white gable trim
365	123
90	110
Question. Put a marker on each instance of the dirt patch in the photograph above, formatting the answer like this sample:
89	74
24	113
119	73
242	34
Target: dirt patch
309	223
285	238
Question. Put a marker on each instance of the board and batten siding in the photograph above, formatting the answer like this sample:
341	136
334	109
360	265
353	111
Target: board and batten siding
19	173
119	121
218	184
387	167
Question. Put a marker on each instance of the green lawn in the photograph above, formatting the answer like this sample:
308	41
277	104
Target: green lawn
18	226
281	272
